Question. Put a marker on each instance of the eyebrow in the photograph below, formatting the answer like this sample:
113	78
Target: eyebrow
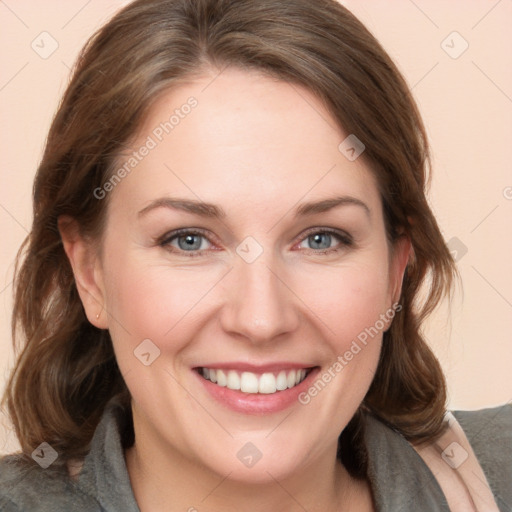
191	206
209	210
325	205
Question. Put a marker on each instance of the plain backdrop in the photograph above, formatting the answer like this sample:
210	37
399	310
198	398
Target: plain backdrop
456	57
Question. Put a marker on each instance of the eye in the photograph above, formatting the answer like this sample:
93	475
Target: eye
185	240
193	242
326	240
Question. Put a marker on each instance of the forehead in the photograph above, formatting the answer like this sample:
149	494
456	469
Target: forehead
244	133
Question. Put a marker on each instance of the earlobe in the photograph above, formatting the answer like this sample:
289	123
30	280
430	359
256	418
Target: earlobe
85	263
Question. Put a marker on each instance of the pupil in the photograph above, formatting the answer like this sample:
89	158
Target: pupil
189	242
319	238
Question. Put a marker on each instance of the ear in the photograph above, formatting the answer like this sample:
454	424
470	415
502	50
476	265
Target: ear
85	262
400	254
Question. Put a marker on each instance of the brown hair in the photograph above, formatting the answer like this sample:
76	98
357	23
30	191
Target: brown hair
66	371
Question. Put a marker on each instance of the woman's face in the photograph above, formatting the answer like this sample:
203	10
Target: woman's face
281	273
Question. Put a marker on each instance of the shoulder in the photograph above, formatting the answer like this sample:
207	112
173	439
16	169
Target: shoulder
398	477
24	485
485	425
11	476
100	482
489	432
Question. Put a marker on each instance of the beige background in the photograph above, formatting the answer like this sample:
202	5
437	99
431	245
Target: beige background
466	101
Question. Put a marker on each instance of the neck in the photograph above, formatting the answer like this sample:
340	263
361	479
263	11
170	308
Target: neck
164	479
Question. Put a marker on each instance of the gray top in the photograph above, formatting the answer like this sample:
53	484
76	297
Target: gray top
399	478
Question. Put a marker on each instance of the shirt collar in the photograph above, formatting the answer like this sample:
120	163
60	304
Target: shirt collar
399	478
104	475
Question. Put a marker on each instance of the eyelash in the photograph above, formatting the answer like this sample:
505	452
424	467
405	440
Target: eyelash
345	240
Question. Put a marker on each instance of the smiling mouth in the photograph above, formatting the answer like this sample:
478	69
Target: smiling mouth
249	382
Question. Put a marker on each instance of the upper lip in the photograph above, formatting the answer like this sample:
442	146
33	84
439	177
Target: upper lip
257	368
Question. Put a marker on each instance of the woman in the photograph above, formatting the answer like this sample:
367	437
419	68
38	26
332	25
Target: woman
219	295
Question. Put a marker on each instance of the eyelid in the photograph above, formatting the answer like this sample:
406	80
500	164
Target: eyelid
344	237
331	231
168	237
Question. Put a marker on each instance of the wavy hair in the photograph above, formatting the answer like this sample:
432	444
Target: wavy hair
66	370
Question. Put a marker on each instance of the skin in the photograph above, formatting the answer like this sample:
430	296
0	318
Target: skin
257	148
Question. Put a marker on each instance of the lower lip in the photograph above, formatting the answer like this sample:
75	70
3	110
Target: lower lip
256	403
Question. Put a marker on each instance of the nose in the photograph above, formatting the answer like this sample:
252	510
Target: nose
259	305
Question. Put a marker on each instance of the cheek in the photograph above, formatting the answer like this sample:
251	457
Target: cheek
348	301
148	301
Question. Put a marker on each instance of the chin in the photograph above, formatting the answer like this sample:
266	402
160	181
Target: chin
259	459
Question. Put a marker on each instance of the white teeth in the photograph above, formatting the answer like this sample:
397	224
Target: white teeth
267	384
291	379
233	380
248	382
221	378
281	382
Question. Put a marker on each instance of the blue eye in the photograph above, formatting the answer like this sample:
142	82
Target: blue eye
185	240
191	243
323	241
320	240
